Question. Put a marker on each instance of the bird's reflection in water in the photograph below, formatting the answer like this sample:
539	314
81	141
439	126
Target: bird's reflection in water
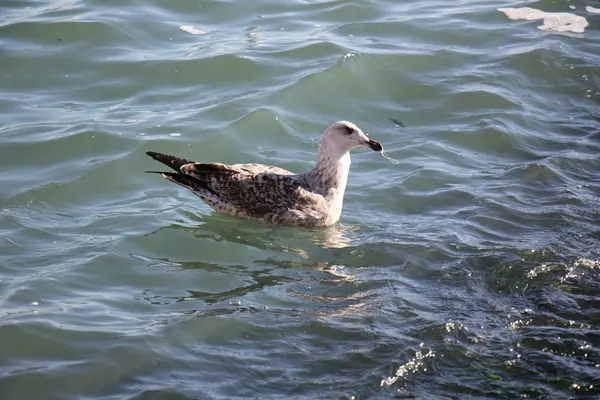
222	228
231	296
334	237
353	306
335	273
303	276
262	275
347	299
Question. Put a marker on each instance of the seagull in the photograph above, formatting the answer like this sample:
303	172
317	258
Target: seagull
272	194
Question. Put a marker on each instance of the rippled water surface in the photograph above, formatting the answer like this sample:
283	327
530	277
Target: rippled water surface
469	270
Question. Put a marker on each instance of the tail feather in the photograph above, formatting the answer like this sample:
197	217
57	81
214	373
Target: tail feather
170	161
188	182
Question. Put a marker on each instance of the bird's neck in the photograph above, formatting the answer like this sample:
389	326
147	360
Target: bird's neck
330	174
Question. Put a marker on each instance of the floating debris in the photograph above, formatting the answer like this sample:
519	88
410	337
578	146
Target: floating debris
557	22
191	29
593	10
398	122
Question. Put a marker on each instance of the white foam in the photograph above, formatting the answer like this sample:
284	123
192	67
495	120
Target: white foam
191	29
556	22
587	263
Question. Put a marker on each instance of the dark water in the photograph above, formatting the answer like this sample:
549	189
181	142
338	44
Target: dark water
469	270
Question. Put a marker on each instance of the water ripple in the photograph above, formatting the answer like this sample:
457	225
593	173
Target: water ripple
469	269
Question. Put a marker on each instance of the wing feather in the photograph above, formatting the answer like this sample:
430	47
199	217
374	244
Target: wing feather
256	190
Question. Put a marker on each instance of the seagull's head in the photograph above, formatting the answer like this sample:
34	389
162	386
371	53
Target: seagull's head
347	136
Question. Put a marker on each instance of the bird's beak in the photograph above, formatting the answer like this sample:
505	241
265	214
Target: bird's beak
374	145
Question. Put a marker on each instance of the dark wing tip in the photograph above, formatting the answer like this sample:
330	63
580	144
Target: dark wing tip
188	182
171	161
158	156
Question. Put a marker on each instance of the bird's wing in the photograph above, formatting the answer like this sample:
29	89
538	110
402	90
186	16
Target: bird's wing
172	162
259	191
255	194
261	168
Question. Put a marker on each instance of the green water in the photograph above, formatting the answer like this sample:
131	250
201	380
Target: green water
469	270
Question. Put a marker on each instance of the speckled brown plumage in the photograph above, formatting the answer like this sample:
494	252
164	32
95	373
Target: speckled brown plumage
273	194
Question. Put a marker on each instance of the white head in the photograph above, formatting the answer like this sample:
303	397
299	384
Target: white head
345	136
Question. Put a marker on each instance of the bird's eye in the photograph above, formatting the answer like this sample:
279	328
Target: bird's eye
349	130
